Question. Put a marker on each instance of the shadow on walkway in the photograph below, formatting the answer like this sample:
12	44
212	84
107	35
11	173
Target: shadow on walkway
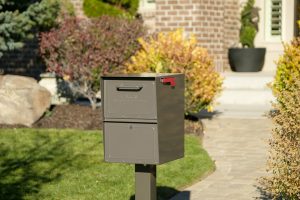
165	193
263	195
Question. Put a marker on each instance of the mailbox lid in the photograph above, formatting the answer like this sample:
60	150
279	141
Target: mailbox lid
131	143
129	99
144	76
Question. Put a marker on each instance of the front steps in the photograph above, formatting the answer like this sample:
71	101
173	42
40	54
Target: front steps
245	95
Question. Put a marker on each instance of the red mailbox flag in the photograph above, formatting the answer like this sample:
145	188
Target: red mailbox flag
169	80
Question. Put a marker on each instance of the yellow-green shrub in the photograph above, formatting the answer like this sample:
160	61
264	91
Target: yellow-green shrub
172	53
288	66
283	166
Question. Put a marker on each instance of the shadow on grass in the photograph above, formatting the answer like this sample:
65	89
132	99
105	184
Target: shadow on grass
165	193
24	168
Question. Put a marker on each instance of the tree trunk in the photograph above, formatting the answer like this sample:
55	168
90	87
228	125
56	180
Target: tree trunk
93	102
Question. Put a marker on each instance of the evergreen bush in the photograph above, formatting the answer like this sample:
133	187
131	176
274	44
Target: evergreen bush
249	24
21	19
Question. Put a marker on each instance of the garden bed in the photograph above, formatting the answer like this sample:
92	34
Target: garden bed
71	116
82	117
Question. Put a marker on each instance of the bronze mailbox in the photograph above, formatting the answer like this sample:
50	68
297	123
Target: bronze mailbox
143	117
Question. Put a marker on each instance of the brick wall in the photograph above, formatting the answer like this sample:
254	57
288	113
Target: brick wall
148	18
231	26
25	61
214	22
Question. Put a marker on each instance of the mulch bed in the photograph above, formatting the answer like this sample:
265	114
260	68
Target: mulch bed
71	116
82	117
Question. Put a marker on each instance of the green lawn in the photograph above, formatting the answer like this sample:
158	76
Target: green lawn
68	164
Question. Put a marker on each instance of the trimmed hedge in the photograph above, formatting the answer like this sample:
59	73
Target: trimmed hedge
123	8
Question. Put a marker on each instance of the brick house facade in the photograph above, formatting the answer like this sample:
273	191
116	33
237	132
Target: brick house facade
214	22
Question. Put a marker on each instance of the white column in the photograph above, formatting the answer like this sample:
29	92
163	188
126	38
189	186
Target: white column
288	19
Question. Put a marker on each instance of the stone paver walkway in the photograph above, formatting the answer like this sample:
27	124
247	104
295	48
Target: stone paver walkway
239	148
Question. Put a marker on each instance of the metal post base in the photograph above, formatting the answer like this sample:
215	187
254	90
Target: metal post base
145	182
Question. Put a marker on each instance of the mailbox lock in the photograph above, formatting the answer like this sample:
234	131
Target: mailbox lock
168	80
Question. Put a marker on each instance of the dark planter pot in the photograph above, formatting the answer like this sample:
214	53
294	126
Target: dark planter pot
246	59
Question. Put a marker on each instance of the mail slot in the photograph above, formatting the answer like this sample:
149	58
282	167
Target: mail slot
143	118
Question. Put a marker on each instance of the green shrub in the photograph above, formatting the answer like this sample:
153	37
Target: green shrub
283	166
124	8
81	52
172	53
247	36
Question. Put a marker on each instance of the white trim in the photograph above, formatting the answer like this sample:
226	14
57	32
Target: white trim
288	20
268	36
284	20
146	6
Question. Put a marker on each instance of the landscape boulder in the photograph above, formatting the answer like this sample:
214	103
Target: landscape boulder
22	100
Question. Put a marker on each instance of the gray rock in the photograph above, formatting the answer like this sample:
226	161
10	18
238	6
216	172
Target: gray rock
22	100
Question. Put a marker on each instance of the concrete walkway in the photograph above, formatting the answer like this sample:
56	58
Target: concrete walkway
239	148
237	139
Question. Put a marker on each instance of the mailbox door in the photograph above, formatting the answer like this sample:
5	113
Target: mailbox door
131	143
130	99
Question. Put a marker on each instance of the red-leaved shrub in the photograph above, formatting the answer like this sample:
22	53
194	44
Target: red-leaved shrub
81	51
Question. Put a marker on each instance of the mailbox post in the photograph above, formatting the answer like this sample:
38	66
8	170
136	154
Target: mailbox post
143	123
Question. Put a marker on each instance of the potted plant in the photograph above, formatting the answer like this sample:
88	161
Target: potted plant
248	58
